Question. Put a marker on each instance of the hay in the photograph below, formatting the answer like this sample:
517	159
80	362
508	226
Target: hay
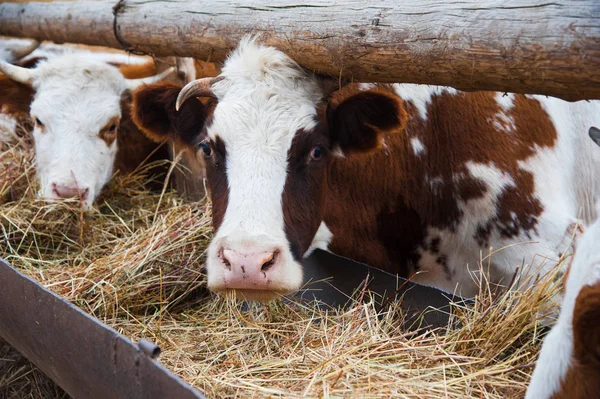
20	379
135	263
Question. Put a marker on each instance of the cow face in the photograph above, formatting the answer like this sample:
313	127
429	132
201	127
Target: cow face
267	146
76	109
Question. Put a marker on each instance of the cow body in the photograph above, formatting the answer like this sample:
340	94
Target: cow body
568	366
80	111
411	179
469	172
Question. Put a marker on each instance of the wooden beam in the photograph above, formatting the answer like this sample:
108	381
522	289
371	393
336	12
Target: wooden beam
524	46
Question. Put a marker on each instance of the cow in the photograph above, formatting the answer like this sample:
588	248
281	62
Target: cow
568	365
82	130
416	180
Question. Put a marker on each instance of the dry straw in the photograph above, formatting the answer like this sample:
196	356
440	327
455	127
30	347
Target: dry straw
135	262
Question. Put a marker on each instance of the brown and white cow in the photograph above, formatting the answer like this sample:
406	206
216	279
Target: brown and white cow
569	362
80	106
407	178
568	366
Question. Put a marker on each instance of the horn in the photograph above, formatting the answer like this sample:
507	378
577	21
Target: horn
18	74
24	51
197	88
133	84
595	135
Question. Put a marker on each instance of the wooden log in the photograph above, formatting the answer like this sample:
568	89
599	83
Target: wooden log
526	46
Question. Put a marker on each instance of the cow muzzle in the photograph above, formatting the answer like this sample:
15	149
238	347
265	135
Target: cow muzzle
254	272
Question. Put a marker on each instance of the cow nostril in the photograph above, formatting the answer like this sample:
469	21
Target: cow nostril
269	263
224	259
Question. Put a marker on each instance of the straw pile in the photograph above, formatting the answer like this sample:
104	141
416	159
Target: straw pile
135	262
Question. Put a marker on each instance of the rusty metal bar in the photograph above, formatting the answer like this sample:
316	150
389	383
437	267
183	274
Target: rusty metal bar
83	356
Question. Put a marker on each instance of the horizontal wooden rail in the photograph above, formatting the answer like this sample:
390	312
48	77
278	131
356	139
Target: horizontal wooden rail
523	46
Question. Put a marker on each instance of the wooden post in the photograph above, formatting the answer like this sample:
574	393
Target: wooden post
526	46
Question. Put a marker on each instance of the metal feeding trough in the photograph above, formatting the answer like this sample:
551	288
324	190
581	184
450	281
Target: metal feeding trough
333	280
91	360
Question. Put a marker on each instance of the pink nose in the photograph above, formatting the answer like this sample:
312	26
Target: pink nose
69	191
249	270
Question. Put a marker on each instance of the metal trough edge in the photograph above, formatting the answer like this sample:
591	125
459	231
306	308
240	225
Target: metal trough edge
332	280
83	356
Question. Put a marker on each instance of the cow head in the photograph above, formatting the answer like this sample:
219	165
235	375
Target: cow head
76	109
267	145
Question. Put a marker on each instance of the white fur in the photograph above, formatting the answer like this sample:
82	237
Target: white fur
420	95
263	100
51	50
557	350
321	240
417	145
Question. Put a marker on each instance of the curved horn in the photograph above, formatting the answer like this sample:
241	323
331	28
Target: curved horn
197	88
133	84
24	51
18	74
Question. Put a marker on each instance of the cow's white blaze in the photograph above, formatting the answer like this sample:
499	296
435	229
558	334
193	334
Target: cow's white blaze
264	99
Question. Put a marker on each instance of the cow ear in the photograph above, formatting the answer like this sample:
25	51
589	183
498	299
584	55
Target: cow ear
153	111
357	122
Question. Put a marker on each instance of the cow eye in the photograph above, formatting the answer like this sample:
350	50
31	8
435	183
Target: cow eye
112	128
39	122
316	153
205	147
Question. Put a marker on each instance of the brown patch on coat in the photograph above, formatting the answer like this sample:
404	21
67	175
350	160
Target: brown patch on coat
138	71
109	132
15	98
153	111
582	380
380	205
133	147
216	166
305	190
15	101
206	69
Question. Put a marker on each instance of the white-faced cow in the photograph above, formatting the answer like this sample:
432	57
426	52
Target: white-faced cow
82	130
568	366
407	178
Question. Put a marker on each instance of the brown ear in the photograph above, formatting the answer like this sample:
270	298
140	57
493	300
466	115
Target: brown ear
153	111
586	325
356	122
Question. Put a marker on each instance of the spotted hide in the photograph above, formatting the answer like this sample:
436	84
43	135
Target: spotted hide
417	180
568	366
